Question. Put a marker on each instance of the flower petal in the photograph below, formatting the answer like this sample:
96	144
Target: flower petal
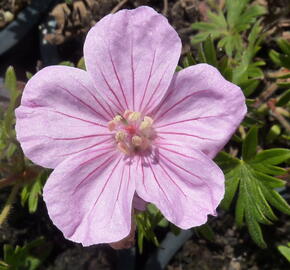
201	108
60	114
89	197
132	56
183	183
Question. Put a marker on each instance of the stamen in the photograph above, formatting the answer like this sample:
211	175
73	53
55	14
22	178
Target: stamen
127	113
137	140
120	136
146	123
134	116
112	125
133	132
118	118
123	148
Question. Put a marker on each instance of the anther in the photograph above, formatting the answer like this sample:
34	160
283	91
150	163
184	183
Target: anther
126	114
134	116
118	118
120	136
112	125
137	140
146	123
123	148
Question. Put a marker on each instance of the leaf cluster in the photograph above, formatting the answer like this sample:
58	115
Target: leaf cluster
229	24
252	180
27	257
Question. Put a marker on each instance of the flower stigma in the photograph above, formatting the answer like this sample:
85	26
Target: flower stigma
133	132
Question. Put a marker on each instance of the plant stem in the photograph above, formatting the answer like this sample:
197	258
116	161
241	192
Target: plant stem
9	203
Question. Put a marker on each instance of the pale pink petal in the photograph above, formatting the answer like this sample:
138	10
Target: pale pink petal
201	108
60	114
89	196
132	56
183	183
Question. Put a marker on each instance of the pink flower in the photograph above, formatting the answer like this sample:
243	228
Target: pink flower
128	128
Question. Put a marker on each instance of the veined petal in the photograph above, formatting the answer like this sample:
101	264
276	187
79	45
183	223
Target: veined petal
183	183
60	115
132	56
200	108
89	197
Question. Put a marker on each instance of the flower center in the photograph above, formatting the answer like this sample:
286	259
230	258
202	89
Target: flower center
133	132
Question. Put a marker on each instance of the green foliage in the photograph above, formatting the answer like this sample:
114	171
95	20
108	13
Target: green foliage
284	98
282	59
28	257
206	232
31	191
252	180
228	25
242	69
146	222
10	151
285	251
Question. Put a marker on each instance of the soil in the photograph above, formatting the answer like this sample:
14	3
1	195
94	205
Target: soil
232	249
9	10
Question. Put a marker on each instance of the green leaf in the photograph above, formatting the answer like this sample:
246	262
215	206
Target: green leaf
232	183
284	46
272	156
284	98
280	59
10	83
188	60
273	134
31	192
285	251
276	200
81	64
255	230
226	161
250	143
210	52
28	257
28	75
67	63
206	231
255	192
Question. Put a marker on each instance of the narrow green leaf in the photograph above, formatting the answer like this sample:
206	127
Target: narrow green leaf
273	134
67	63
268	169
284	46
240	205
249	148
272	156
210	52
11	82
276	200
206	231
269	181
81	64
201	56
255	230
232	183
284	98
226	161
285	251
275	57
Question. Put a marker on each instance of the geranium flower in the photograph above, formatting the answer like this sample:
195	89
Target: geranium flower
128	128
